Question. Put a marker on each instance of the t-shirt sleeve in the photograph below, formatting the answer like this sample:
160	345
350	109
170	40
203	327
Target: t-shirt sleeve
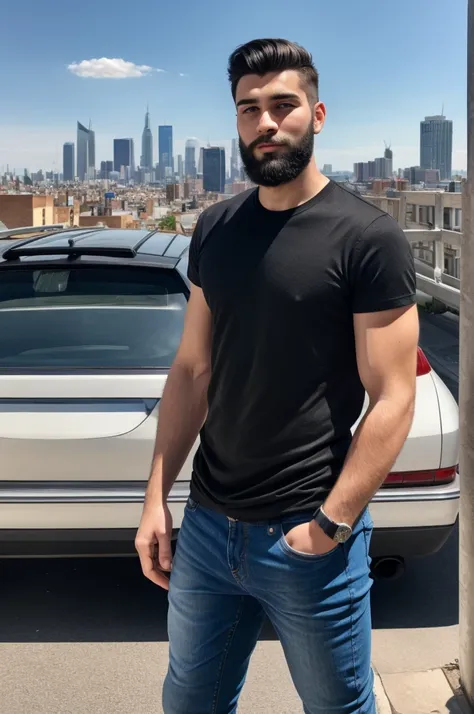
383	273
194	253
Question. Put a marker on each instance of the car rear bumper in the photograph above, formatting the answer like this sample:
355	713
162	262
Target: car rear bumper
409	542
79	519
73	542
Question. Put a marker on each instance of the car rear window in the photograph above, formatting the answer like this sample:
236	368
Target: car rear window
90	317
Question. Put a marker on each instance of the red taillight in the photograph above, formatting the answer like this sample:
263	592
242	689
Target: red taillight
421	478
422	364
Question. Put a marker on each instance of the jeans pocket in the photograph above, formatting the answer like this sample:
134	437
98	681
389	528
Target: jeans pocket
299	555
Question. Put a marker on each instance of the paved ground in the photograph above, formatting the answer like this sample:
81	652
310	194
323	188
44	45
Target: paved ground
89	636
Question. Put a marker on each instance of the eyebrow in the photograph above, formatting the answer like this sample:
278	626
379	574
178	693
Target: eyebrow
274	97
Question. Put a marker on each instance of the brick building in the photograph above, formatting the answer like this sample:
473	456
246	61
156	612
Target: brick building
24	209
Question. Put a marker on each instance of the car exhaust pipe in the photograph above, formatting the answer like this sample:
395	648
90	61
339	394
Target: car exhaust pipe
388	567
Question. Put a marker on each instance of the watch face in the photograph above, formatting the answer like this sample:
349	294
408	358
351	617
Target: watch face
343	533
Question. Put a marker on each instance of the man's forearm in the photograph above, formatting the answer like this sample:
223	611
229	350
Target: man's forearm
375	447
183	409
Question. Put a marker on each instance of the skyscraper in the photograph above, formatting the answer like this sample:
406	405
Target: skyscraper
68	161
361	171
85	152
214	169
146	161
436	144
180	166
106	167
235	161
190	169
382	167
91	166
200	168
388	156
124	154
165	150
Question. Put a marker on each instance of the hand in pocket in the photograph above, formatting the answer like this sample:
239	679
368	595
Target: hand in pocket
309	538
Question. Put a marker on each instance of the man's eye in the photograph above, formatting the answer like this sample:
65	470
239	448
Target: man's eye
284	105
249	109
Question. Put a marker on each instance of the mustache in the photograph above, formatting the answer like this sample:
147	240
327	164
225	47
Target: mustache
265	140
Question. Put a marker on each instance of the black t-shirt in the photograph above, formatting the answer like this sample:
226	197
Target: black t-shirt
282	288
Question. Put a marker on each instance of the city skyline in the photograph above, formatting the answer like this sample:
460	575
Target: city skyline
373	89
166	148
229	144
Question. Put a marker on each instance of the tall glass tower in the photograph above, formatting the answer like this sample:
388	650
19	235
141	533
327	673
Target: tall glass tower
234	161
124	155
146	160
165	150
190	157
214	169
85	152
68	161
436	145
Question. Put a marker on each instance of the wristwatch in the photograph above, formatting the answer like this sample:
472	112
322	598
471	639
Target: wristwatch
339	532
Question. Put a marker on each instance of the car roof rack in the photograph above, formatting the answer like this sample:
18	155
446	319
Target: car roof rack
94	241
71	251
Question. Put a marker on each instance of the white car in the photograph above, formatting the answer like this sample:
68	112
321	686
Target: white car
90	322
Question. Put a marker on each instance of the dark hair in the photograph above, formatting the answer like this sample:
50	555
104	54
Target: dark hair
273	55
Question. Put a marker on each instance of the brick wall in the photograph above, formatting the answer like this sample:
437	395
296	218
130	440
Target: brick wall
16	211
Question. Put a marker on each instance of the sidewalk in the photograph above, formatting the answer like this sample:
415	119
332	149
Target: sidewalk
435	691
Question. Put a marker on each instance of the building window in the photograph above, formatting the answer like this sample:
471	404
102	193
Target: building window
447	218
410	213
423	215
44	216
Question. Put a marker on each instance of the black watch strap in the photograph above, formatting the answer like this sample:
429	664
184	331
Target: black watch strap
329	527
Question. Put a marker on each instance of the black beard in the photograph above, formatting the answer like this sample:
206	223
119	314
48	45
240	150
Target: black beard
275	169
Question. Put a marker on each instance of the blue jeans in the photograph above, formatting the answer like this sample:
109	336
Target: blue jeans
227	575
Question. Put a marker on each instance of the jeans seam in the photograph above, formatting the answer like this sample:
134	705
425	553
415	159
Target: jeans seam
243	557
225	653
230	535
351	595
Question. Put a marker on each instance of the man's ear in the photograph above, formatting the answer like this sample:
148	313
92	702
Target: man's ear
319	117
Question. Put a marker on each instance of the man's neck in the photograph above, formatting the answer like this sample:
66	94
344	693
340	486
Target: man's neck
290	195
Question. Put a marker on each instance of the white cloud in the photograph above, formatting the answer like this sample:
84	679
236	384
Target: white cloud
183	74
110	68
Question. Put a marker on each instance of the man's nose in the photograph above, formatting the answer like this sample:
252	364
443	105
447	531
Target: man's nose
267	124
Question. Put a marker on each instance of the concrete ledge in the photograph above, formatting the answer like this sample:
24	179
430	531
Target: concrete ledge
382	702
422	693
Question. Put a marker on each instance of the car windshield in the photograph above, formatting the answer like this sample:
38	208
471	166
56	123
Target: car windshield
90	317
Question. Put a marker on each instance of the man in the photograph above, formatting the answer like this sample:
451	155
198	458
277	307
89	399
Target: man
302	300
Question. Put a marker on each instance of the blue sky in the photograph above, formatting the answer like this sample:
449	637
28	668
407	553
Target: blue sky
383	67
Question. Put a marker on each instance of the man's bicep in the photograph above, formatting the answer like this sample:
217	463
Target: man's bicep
382	270
195	347
386	349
